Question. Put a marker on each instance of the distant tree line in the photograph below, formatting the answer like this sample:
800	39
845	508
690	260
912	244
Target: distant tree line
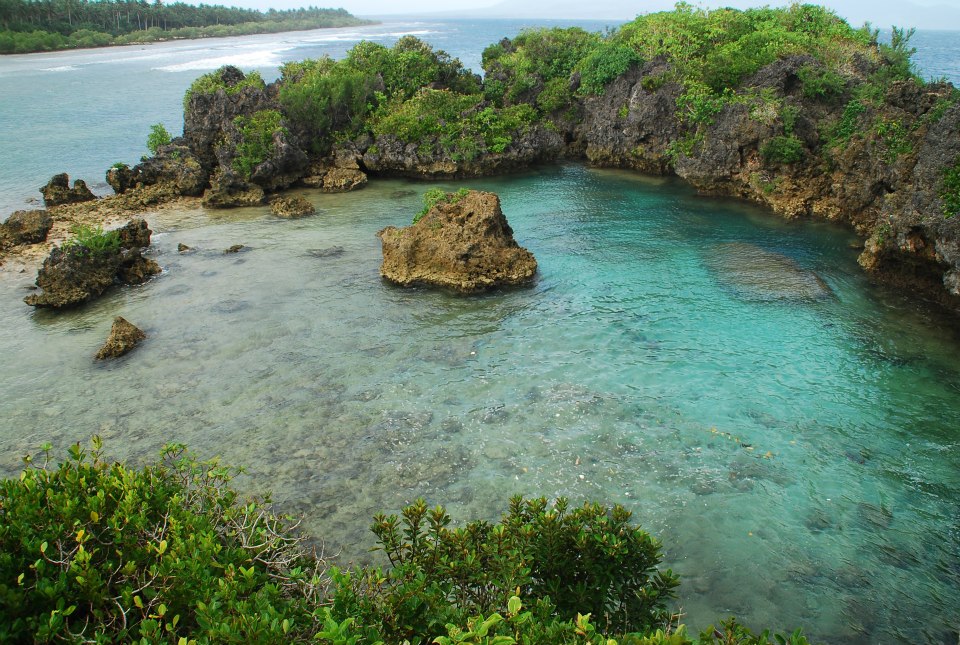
40	25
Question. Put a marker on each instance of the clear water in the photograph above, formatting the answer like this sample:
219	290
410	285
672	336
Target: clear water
799	457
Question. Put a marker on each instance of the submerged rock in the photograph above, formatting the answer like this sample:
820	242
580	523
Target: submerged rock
464	244
124	336
756	274
26	227
292	207
58	191
73	274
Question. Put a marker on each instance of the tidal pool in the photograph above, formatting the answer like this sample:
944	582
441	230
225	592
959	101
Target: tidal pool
789	431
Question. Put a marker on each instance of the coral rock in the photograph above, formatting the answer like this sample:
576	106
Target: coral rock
124	336
26	227
58	191
463	244
292	207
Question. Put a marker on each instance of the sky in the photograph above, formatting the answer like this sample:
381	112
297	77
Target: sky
925	14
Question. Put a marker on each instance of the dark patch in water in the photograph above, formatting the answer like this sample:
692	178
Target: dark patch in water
330	252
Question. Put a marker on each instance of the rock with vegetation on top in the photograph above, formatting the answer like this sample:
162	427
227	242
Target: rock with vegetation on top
463	242
83	268
292	207
26	227
58	191
124	336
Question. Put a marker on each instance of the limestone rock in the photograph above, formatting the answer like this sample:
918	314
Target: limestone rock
292	207
124	336
26	227
58	191
464	244
73	275
121	178
228	190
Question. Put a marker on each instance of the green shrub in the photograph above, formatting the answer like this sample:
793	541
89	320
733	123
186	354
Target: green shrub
92	240
436	195
212	82
950	189
158	137
586	558
604	64
821	83
786	150
848	123
894	138
94	550
256	139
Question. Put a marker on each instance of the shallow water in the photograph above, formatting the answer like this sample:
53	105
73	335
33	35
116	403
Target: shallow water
799	456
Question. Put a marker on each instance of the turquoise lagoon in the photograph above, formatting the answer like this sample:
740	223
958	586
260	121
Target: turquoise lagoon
789	430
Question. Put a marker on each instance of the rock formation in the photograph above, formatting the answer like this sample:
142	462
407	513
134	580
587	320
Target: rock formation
74	274
123	337
292	207
229	190
462	243
58	191
26	227
339	174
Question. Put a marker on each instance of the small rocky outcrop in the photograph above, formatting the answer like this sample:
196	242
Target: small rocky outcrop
120	177
292	207
74	274
229	190
25	227
124	336
339	174
462	243
58	191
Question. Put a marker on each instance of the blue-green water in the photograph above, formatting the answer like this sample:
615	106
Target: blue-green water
799	457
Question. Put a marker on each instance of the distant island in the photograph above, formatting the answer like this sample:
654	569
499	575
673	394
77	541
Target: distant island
27	26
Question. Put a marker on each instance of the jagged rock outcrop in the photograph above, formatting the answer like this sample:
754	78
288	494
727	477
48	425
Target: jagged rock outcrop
292	207
25	227
120	178
229	190
464	244
338	174
58	191
73	274
124	336
390	156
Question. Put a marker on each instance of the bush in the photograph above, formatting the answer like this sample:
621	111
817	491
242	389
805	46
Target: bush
256	139
158	137
92	240
786	150
436	195
950	189
821	83
94	550
212	82
604	64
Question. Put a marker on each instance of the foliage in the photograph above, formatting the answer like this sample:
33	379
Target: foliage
158	137
214	81
785	149
435	196
92	240
729	632
950	189
897	56
256	139
94	550
604	64
848	123
585	558
458	124
323	98
821	83
534	62
42	25
893	137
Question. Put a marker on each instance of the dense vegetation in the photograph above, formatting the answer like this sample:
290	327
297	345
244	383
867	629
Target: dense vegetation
94	551
43	25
